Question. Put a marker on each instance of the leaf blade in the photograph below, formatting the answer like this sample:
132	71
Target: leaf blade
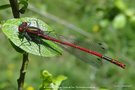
48	49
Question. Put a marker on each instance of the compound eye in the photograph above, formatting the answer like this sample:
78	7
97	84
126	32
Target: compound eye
20	29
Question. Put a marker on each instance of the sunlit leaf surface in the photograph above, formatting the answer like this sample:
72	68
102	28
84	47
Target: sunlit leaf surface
45	48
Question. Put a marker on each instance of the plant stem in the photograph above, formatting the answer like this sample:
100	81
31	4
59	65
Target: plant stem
15	8
20	80
23	71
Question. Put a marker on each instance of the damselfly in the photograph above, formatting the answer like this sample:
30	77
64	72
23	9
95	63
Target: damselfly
24	29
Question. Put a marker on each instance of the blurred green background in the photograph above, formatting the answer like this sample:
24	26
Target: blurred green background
108	21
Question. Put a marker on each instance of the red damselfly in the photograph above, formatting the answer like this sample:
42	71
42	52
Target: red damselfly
25	28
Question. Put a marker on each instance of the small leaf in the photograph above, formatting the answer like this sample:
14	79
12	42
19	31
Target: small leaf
24	7
58	80
46	49
46	76
4	6
50	82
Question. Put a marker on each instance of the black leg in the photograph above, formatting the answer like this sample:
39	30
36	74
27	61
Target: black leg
28	38
39	47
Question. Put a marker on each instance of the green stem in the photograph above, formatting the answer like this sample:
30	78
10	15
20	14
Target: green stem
20	80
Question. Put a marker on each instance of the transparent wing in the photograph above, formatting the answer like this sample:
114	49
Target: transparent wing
86	57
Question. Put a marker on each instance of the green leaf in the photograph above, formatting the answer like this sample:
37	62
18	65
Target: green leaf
49	82
4	6
17	48
57	81
24	7
47	79
46	49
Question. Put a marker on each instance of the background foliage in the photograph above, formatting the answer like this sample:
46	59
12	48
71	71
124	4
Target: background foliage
110	21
